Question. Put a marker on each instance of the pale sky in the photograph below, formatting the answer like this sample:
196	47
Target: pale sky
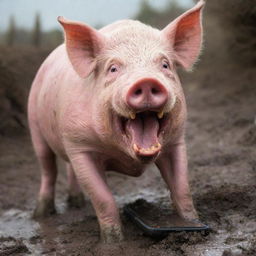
93	12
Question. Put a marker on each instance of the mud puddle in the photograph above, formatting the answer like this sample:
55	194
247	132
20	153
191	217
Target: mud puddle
17	229
221	150
21	235
76	232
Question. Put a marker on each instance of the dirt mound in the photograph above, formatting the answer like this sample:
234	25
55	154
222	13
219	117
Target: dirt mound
11	106
17	70
238	19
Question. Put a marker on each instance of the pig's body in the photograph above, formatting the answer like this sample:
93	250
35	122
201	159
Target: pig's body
58	96
64	106
48	91
118	118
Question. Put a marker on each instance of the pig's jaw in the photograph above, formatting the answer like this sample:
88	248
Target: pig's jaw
142	133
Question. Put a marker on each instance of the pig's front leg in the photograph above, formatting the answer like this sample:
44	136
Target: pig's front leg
173	167
90	175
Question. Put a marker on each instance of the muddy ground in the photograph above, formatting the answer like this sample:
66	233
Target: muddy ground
221	137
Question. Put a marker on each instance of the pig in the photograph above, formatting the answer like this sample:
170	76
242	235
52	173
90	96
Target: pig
111	100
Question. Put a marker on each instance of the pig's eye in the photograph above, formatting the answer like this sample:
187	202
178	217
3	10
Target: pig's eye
165	65
113	68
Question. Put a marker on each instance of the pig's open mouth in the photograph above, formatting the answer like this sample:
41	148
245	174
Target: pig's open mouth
143	130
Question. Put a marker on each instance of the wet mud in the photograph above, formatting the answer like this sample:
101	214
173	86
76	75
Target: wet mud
221	134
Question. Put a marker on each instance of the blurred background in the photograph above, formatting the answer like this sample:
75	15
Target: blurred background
221	131
29	31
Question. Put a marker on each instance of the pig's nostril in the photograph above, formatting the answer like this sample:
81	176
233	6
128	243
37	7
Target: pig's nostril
138	92
154	91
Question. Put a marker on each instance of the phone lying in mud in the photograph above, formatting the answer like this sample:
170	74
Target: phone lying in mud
156	222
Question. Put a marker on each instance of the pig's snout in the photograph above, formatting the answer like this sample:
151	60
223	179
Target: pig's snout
147	94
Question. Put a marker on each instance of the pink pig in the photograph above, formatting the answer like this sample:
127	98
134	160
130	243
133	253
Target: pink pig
112	100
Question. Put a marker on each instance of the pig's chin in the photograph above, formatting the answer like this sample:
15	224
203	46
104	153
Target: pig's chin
142	133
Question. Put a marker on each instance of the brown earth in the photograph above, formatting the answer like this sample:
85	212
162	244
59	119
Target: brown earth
221	137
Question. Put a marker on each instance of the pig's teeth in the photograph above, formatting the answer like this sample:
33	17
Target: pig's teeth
153	148
160	114
136	148
158	145
132	115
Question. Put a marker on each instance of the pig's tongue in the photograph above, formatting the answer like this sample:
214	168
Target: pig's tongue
143	131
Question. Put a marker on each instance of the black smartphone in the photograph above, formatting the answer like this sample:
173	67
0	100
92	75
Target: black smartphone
158	222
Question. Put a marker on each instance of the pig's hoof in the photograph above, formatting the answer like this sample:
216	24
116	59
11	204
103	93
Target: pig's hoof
44	208
76	201
112	234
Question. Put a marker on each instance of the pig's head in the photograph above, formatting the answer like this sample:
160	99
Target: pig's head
133	69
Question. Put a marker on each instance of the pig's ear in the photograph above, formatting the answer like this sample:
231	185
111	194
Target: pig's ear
83	43
185	36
